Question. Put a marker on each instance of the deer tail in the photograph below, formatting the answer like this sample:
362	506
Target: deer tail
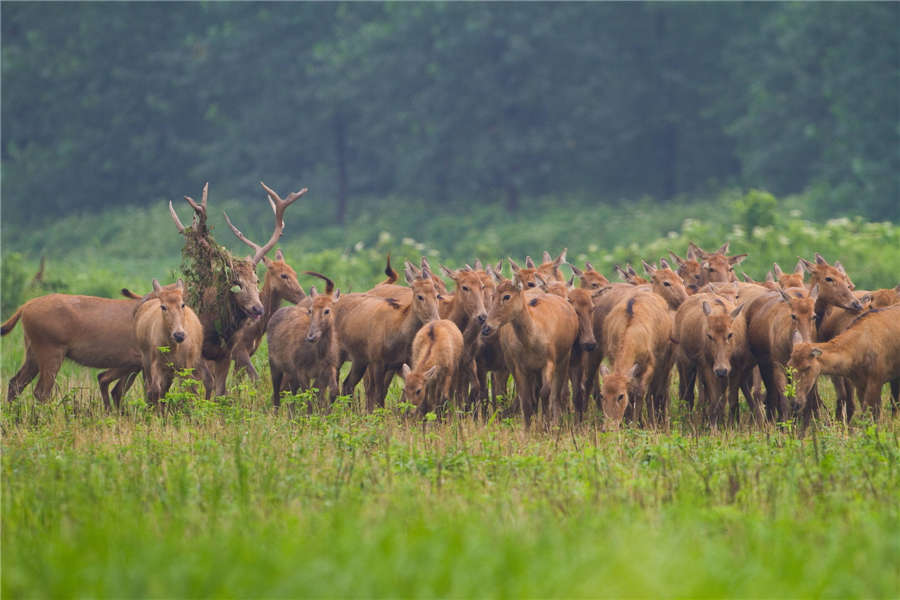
11	322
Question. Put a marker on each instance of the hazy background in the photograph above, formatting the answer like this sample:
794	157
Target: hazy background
470	128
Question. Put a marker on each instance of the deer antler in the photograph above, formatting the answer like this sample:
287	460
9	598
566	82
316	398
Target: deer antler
200	209
175	218
278	206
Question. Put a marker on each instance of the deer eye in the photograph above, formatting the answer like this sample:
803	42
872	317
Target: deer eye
709	336
182	305
466	289
794	317
309	311
667	284
621	397
730	335
163	306
506	297
420	297
595	285
531	284
327	311
284	275
829	280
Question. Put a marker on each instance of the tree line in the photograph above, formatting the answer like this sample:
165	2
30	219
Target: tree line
108	104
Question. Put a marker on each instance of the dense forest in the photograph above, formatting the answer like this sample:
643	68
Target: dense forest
118	103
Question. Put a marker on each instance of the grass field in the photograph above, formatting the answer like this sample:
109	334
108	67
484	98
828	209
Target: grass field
233	499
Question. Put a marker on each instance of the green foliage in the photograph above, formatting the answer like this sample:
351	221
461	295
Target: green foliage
756	209
13	277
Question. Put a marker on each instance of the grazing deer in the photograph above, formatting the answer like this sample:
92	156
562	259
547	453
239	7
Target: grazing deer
772	319
170	338
536	338
437	352
867	353
636	338
590	278
376	333
93	332
223	316
280	283
303	344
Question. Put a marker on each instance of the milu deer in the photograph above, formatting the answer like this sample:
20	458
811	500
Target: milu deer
549	269
224	315
716	266
636	337
303	344
437	353
536	337
689	269
170	338
789	280
94	332
867	353
376	333
590	278
772	319
280	283
710	340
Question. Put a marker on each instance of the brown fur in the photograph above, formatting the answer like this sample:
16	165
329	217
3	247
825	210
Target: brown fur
867	353
636	340
437	351
717	266
582	301
303	346
166	322
536	343
590	278
549	269
789	280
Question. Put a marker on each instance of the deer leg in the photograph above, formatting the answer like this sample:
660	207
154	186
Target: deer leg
375	389
277	378
589	376
49	367
220	374
687	376
243	363
872	396
23	377
357	369
773	407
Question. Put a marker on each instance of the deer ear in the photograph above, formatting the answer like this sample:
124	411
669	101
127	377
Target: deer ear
156	286
448	272
576	271
678	260
571	283
604	370
706	308
266	261
796	338
737	259
279	255
589	266
529	264
665	264
312	292
784	296
810	267
633	370
820	260
692	251
404	371
179	285
815	352
430	372
512	265
777	270
541	281
723	249
519	285
770	278
547	258
798	268
561	258
337	294
409	274
737	311
814	292
478	266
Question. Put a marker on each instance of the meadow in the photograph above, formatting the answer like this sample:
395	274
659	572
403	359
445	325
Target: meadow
233	498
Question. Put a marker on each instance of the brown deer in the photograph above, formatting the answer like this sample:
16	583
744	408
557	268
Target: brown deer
689	269
294	362
717	266
170	338
536	338
280	283
582	301
711	339
526	274
789	280
772	319
590	278
437	352
93	332
488	354
223	316
376	333
835	287
867	353
549	269
636	338
629	275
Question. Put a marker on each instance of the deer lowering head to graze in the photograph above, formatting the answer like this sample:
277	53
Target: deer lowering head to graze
376	333
835	287
303	345
549	269
867	353
717	266
170	338
437	351
709	336
590	278
536	336
223	313
280	283
636	337
94	332
772	318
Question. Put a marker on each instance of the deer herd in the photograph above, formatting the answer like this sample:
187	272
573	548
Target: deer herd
565	347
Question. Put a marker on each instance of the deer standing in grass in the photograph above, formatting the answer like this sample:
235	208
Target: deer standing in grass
536	337
303	344
636	338
170	339
376	333
242	302
437	353
867	353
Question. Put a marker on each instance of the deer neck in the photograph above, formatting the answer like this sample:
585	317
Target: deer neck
458	314
524	327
